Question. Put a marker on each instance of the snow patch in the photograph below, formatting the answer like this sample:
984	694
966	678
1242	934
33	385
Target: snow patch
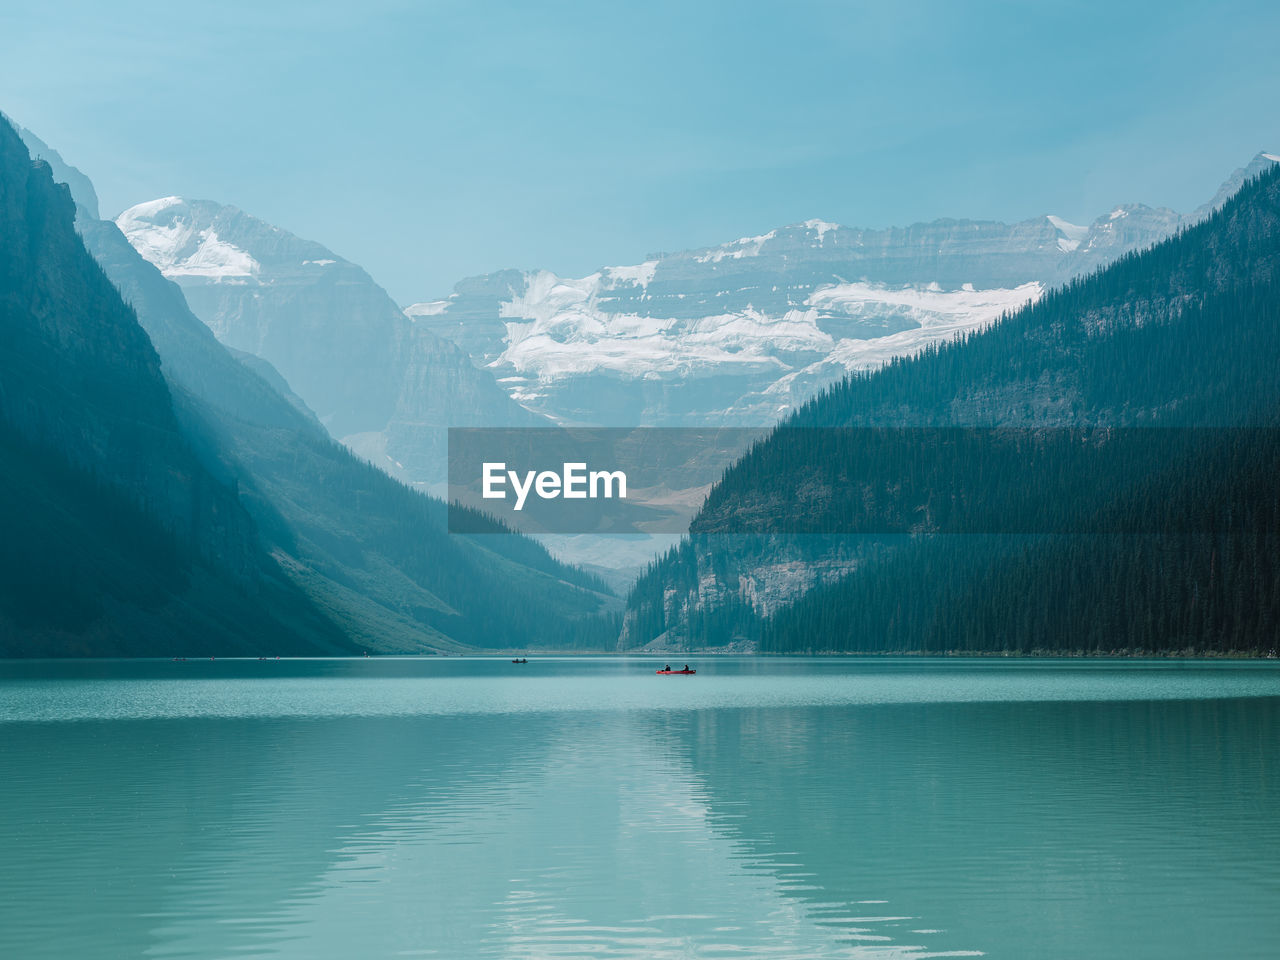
821	228
640	275
1072	234
164	233
1272	157
213	258
151	209
931	306
941	315
562	327
431	308
742	247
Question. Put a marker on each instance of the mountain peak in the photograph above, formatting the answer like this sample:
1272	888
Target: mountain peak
1070	234
81	187
182	239
1261	162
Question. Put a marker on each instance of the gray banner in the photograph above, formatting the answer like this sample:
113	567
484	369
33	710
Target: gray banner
854	480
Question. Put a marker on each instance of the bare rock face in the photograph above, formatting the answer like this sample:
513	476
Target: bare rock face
376	380
123	536
80	375
742	333
737	334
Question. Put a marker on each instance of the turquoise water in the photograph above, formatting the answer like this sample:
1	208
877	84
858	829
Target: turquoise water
464	808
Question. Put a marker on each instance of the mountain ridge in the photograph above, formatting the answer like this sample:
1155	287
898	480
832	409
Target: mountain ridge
365	562
384	386
119	538
1182	334
743	332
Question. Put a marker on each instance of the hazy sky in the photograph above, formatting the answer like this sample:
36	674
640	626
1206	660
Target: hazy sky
432	141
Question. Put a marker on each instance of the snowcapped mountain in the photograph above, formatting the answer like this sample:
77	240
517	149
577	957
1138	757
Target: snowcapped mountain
735	334
383	385
741	333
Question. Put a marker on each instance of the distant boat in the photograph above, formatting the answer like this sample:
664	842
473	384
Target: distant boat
520	661
686	672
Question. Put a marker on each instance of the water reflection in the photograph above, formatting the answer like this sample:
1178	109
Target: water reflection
1012	826
1027	829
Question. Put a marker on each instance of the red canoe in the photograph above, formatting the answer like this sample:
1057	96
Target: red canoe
676	673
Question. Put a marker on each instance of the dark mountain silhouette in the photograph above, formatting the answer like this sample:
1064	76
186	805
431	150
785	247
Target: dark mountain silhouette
166	497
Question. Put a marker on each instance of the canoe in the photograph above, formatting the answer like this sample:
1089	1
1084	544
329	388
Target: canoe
676	673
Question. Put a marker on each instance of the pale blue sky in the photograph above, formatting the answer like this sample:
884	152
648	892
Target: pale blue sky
431	141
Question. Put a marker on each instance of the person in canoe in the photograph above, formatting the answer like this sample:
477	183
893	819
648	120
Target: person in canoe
667	668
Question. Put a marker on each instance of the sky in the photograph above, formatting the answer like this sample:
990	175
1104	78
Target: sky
431	141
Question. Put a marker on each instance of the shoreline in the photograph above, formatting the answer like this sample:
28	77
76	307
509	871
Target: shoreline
1140	656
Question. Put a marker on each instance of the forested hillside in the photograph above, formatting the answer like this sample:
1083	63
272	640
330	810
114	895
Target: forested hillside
1184	335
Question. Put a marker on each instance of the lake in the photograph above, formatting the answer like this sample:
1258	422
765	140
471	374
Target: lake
570	807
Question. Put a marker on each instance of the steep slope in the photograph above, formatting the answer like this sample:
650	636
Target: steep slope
372	553
1261	163
118	539
1186	334
362	561
380	383
81	187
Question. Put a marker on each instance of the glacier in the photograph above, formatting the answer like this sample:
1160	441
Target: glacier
168	233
